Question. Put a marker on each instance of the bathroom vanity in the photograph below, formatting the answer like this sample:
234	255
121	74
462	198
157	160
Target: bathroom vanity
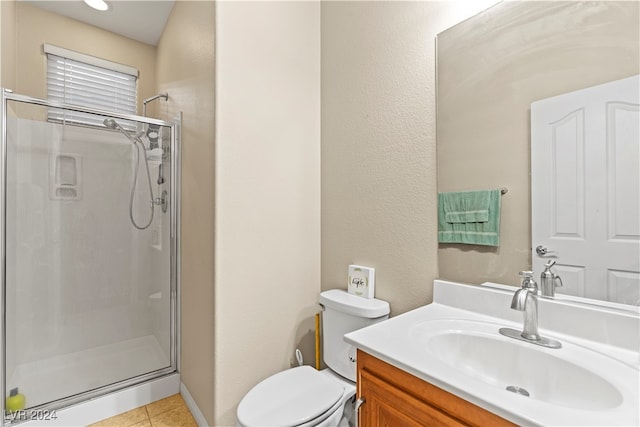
447	364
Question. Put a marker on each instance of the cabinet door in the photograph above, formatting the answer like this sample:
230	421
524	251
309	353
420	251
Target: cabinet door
387	405
395	398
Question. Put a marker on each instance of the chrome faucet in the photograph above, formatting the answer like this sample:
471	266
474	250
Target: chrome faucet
549	281
526	300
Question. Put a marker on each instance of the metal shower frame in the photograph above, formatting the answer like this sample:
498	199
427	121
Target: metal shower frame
174	207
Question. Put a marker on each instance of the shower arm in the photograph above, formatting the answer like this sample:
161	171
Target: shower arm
165	96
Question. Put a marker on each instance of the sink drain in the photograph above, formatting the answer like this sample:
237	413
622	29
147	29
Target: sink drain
518	390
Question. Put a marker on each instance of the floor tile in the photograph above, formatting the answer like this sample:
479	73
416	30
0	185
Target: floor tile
165	405
178	417
126	419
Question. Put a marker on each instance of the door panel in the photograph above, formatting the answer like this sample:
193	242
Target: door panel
585	189
388	406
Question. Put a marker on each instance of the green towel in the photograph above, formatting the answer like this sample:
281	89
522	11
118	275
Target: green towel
471	217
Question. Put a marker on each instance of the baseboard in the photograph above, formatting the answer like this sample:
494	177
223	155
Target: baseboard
112	404
191	404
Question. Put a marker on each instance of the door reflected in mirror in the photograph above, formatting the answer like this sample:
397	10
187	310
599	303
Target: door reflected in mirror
585	189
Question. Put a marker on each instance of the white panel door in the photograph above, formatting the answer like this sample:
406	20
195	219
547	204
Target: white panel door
585	189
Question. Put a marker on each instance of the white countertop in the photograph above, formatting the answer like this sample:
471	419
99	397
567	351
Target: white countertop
608	334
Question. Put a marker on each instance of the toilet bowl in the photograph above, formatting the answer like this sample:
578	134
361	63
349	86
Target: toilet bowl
305	397
301	397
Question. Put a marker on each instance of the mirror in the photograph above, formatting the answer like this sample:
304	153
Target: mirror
490	68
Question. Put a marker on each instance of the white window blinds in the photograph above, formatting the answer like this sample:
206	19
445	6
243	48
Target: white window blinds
80	82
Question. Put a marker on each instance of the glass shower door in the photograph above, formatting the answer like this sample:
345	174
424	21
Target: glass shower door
90	254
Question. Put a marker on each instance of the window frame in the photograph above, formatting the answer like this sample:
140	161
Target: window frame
87	81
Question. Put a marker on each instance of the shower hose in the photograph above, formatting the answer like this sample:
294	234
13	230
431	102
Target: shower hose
137	145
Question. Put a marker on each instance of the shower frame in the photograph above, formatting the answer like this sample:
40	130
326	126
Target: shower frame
174	209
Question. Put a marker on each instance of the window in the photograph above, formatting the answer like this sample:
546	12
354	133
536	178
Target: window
78	79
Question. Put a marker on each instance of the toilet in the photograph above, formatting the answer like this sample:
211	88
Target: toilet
305	397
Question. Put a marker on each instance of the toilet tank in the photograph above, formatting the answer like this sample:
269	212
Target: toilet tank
343	313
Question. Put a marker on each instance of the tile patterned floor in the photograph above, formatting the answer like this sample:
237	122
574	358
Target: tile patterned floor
169	412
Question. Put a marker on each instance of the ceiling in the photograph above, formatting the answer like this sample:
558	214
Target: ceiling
141	20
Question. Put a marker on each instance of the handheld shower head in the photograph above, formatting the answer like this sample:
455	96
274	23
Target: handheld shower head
112	124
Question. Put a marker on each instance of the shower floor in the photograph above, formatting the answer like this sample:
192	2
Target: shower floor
58	377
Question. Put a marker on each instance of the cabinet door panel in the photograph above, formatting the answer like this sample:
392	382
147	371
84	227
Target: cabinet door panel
389	406
395	398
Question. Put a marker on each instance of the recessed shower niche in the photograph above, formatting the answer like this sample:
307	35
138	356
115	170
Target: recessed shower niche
65	176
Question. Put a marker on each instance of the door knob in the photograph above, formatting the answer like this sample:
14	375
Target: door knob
543	251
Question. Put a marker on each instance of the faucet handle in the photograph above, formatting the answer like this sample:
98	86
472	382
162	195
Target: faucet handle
526	274
527	280
557	281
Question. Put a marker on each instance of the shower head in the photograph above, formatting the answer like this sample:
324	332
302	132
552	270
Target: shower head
112	124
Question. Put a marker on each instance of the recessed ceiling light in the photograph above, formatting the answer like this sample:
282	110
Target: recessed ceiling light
98	4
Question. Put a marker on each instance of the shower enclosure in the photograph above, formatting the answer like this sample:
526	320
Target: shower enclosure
89	243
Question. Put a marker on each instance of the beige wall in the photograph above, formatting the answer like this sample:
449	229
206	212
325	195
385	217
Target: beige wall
267	235
8	44
185	70
488	78
378	143
37	26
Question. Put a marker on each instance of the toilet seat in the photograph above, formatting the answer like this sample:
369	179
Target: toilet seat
293	397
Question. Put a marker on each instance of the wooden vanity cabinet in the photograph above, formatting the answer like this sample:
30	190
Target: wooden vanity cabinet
396	398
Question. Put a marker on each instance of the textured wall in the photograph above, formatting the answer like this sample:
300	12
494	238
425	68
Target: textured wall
185	69
37	26
8	44
378	143
267	192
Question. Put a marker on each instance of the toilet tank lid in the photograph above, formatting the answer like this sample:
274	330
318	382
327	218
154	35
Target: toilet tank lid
341	300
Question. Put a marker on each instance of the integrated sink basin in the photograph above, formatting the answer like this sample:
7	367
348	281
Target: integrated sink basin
565	377
454	344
